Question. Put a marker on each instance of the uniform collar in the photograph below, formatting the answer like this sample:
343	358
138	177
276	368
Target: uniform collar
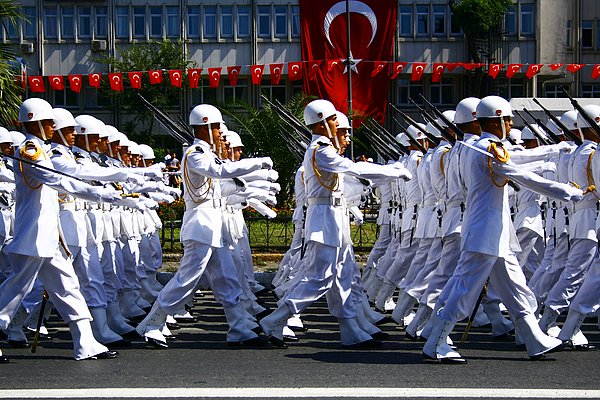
82	152
321	138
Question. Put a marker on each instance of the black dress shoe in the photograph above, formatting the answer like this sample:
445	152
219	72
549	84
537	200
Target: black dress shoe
297	329
263	314
19	344
410	337
147	309
119	344
3	359
254	342
133	335
279	343
185	320
158	344
258	330
173	326
503	337
137	318
446	360
580	347
262	292
290	339
367	344
104	356
380	335
384	320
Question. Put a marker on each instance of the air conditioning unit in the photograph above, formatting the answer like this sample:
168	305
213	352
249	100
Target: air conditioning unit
27	48
98	45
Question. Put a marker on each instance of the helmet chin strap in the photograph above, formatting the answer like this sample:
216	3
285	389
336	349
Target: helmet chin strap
42	131
330	136
503	125
110	151
62	137
87	142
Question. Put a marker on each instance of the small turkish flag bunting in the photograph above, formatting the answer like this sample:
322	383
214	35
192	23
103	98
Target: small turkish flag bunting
276	70
135	79
494	70
472	66
437	71
233	74
512	69
313	67
452	66
596	71
75	82
176	76
417	71
555	66
396	69
533	69
331	64
94	80
156	77
378	66
256	72
36	84
116	81
194	77
572	68
56	82
294	71
214	76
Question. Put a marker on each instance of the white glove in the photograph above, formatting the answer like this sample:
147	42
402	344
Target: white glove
549	166
275	187
173	191
564	147
267	163
160	165
137	179
271	200
149	203
273	175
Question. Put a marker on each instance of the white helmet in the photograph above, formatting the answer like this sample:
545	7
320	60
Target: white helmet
35	109
113	133
493	107
569	119
88	125
5	136
317	111
593	111
146	152
234	139
515	135
433	130
417	133
449	114
402	139
205	114
527	134
17	138
134	148
63	119
123	141
343	121
466	110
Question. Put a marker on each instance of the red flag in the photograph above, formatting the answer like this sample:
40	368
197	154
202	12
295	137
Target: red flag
275	70
116	81
214	76
596	71
495	70
324	37
556	66
56	82
155	76
396	68
331	64
313	68
36	84
512	69
294	71
437	71
135	79
94	80
572	68
233	73
75	82
176	76
417	71
533	69
472	66
256	72
378	66
452	66
194	77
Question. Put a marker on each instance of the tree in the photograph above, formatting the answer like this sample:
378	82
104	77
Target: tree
10	92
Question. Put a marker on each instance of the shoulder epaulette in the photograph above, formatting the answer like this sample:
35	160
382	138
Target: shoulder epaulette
199	148
56	151
323	143
78	154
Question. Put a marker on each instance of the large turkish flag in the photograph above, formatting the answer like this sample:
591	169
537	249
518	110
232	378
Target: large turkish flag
324	37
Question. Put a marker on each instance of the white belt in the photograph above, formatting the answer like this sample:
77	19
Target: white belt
329	201
212	203
527	204
71	206
454	203
429	203
583	205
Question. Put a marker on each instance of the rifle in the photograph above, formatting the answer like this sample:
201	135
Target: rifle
40	321
390	137
535	133
441	116
559	123
433	122
411	138
381	148
180	132
538	121
414	123
293	142
594	126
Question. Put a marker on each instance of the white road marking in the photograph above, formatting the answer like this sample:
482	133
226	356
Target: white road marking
157	393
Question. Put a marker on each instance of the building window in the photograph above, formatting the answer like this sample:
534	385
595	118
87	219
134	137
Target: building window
554	90
281	21
295	21
210	22
515	88
569	33
11	30
587	34
243	21
173	28
139	22
122	28
226	21
50	23
264	21
439	20
156	22
406	21
510	21
101	25
408	89
590	90
273	92
204	94
455	28
30	24
422	20
527	19
67	28
84	19
240	91
65	98
442	92
193	18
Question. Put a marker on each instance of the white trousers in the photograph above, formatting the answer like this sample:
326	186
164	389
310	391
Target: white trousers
420	282
587	299
407	252
380	247
90	274
444	270
548	278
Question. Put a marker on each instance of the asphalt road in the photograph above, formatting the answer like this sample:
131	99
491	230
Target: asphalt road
200	360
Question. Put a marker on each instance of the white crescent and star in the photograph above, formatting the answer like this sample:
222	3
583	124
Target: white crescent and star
295	68
355	7
234	72
215	74
257	71
277	70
